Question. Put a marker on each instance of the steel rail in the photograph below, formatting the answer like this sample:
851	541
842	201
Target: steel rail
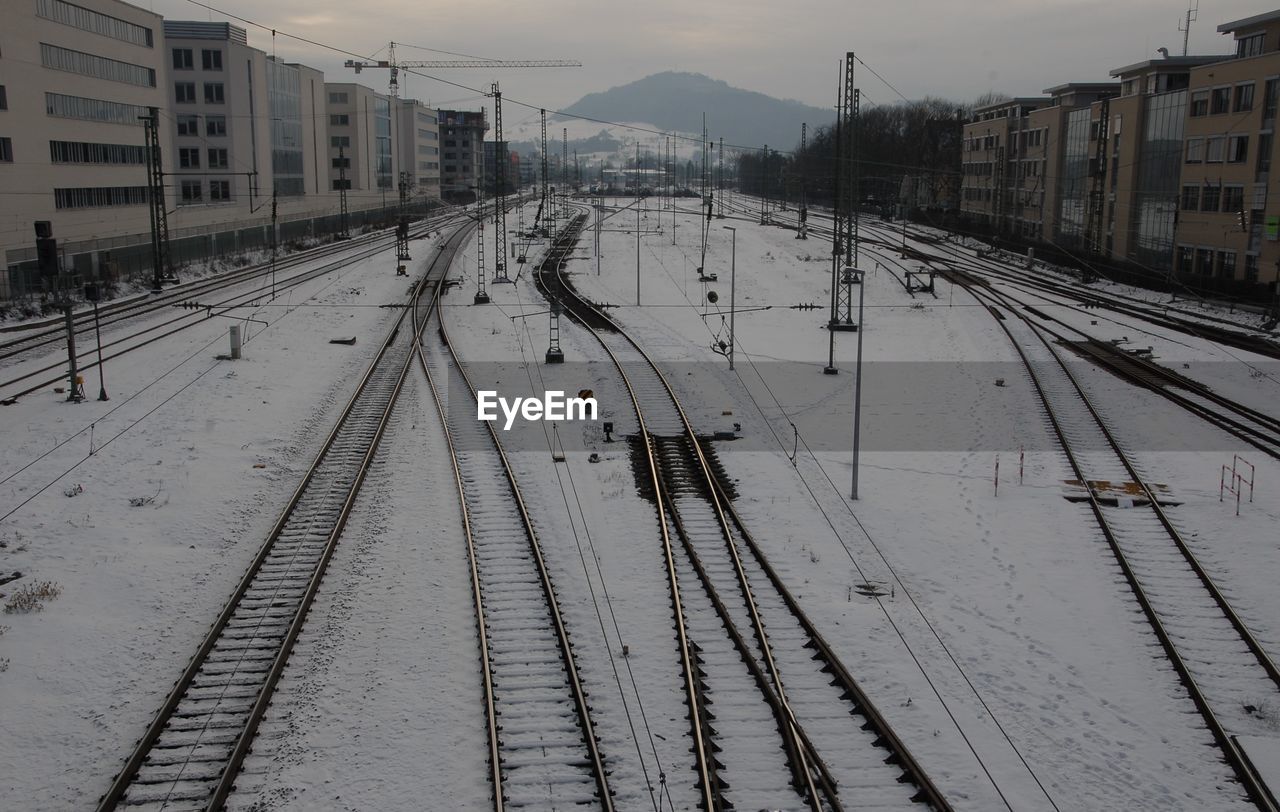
544	576
118	790
1249	778
715	496
187	318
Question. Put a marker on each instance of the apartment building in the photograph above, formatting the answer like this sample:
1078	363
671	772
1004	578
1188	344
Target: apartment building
996	187
1228	226
462	157
76	79
360	145
418	136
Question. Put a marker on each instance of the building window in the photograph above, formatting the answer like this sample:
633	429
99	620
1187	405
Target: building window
51	56
1227	264
213	93
1244	98
1251	45
78	152
185	92
188	125
189	158
217	159
191	191
1251	268
4	99
341	183
215	125
1204	261
182	59
211	59
341	163
337	141
1220	100
1269	95
1237	149
1195	150
1186	259
1210	198
1215	148
1190	197
1233	198
6	150
56	104
337	98
339	120
86	20
1200	103
92	197
219	190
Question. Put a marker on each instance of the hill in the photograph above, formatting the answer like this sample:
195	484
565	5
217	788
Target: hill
676	101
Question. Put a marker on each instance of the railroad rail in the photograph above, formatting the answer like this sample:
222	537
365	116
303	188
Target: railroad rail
800	687
1223	667
543	748
156	332
192	751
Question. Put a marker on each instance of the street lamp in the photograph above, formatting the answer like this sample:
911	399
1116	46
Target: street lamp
733	275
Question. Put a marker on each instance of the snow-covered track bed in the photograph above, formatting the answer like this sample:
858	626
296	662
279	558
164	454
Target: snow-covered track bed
191	753
788	725
207	293
543	749
1228	675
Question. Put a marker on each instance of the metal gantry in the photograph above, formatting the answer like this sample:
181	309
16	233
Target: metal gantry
499	193
161	269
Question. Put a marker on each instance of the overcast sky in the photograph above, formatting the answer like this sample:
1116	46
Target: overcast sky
951	48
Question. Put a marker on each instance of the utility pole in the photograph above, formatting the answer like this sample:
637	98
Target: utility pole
344	230
274	241
93	292
733	287
482	294
764	171
155	197
500	193
544	207
720	207
844	275
802	231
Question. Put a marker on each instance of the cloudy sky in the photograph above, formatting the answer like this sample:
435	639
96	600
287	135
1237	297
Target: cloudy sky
790	49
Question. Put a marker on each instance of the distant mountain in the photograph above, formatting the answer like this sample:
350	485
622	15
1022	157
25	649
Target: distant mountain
676	101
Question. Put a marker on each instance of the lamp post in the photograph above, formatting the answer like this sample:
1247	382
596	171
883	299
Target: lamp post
93	293
857	385
733	276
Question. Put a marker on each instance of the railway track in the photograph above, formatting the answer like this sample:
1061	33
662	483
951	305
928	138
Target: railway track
785	720
156	332
190	755
1227	673
543	748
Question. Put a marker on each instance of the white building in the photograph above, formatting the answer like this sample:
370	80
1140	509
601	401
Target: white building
418	134
75	80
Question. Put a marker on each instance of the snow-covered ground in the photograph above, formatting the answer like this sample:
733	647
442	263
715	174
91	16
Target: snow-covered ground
1001	641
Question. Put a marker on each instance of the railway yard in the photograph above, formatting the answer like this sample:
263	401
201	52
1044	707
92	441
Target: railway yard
310	578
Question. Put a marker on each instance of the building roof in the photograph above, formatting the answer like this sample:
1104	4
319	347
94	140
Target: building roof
1170	63
1021	100
1081	87
1249	22
195	29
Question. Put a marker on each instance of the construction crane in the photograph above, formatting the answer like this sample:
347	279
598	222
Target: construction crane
394	66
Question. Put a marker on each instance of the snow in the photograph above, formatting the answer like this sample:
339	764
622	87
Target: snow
1000	642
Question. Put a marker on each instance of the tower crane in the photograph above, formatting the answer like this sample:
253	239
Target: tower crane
394	66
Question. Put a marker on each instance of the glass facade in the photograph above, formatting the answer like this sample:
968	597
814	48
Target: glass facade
1074	187
1155	203
382	142
284	102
